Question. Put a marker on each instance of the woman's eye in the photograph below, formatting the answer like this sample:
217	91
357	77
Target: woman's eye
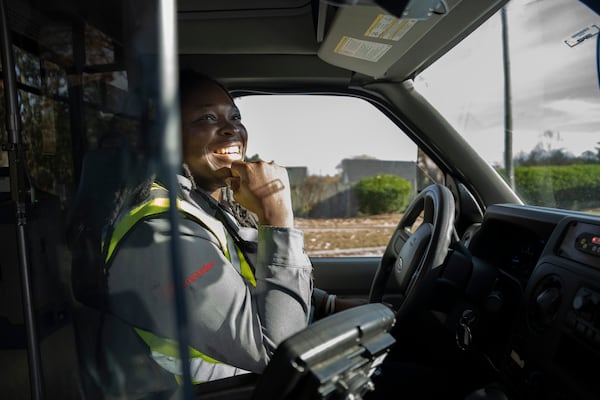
236	117
206	117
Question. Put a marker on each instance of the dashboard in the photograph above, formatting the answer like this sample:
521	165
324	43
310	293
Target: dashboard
534	285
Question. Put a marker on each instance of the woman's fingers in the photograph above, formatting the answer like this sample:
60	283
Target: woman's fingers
264	189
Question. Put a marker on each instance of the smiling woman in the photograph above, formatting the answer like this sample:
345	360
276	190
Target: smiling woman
246	290
213	136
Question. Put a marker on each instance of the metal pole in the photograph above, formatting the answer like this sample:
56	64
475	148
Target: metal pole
508	122
18	190
170	162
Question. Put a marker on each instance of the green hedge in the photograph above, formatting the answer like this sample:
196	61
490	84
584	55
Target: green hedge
382	194
564	186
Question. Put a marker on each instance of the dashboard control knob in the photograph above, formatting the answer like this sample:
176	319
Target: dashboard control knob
585	303
494	301
547	303
582	300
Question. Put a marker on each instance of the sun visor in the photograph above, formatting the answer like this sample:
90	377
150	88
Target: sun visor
370	40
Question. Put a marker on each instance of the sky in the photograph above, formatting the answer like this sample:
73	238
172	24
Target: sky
554	88
320	131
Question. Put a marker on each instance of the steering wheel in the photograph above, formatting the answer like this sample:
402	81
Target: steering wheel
415	258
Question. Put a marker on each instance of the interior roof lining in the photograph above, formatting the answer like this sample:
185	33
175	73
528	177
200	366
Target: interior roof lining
271	38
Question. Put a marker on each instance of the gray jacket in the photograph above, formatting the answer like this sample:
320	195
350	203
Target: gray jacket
230	319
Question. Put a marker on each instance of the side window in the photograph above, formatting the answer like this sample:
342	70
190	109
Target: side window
344	157
65	114
44	108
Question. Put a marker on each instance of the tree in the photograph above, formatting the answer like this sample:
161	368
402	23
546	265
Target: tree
588	156
312	191
542	156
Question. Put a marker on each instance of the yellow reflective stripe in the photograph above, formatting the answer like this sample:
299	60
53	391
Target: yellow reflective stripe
238	259
153	207
160	205
208	221
179	379
169	347
245	269
156	185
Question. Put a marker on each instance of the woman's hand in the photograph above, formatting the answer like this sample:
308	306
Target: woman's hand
263	188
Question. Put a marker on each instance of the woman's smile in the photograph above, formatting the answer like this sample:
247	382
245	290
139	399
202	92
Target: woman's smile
231	152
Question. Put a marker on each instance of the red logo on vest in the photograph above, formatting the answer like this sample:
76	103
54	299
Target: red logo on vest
198	273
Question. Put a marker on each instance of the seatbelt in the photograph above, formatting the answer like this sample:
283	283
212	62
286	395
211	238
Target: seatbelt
221	213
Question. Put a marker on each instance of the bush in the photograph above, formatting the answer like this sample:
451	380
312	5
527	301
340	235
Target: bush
564	186
382	194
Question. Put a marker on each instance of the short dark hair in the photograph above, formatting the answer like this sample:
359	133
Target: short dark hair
190	80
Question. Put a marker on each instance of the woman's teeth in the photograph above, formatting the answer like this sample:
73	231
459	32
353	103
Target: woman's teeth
228	150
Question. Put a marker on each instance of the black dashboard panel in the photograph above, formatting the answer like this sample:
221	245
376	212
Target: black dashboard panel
543	334
581	243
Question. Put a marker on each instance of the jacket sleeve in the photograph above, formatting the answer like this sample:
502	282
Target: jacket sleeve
229	319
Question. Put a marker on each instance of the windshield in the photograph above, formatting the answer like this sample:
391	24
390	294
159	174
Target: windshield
529	100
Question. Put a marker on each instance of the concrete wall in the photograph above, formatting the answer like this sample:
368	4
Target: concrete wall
297	175
338	199
354	170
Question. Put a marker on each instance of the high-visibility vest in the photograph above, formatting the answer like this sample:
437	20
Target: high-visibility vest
165	351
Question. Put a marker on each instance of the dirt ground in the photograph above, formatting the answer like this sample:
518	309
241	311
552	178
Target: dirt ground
360	236
347	236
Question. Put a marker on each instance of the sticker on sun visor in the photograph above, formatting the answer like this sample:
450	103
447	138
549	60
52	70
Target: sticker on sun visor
363	49
389	27
586	33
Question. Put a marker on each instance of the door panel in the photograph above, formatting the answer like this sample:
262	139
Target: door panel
349	276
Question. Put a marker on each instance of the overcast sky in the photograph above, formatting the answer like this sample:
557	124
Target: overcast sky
554	88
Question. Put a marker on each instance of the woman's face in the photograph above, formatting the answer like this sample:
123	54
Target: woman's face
212	135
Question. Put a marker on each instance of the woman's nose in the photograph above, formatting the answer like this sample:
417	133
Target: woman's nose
229	129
